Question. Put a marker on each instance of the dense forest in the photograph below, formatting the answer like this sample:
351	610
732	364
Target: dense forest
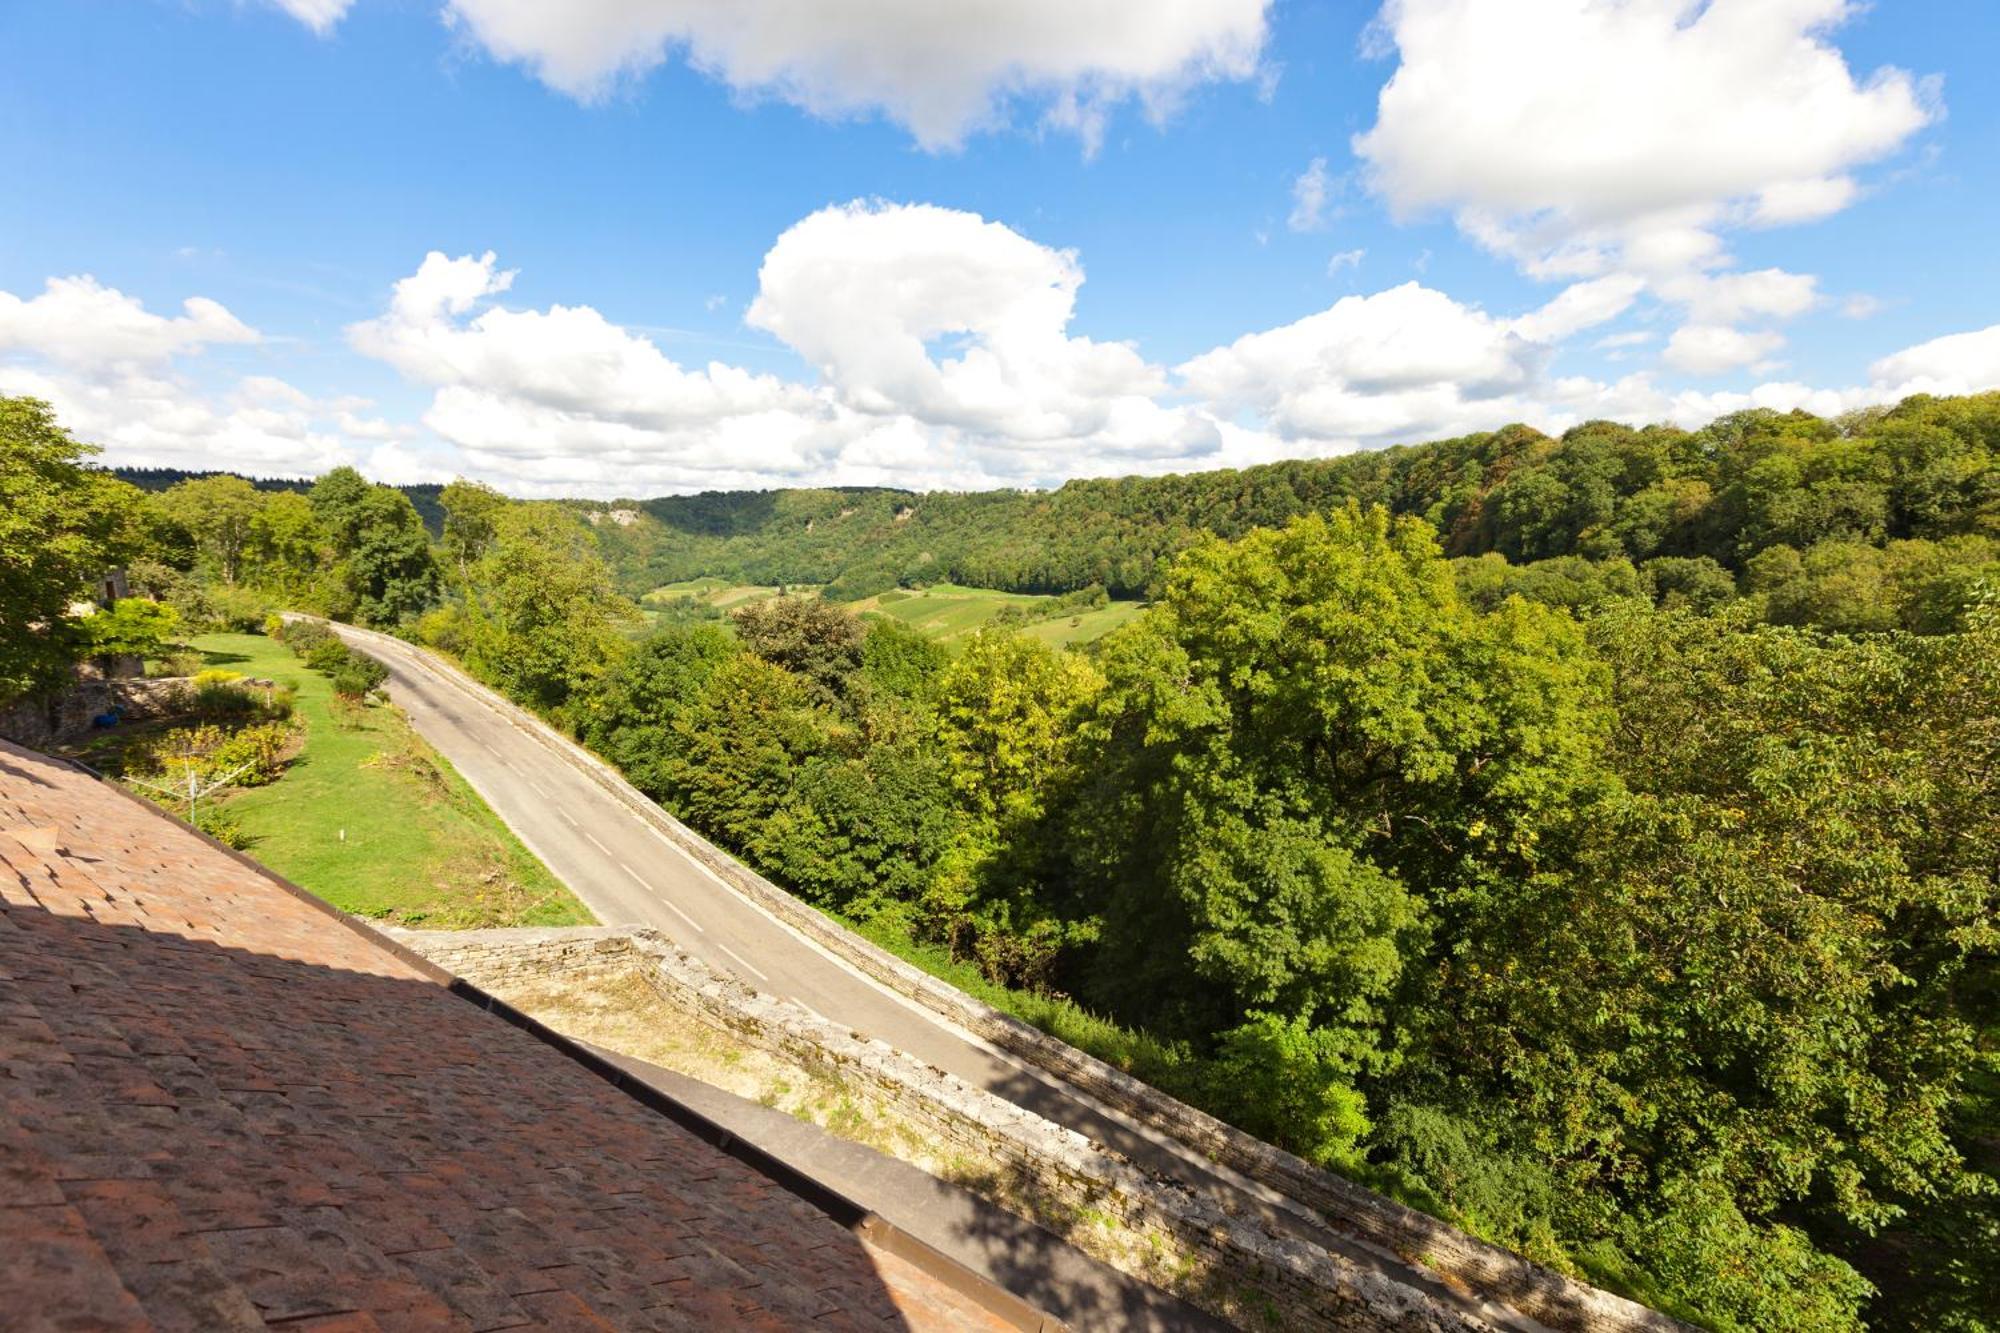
423	495
1874	521
1594	841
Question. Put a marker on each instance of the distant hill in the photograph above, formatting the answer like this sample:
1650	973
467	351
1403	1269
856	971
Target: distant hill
424	497
1928	468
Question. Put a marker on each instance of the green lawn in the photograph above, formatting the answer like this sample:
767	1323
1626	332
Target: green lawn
373	820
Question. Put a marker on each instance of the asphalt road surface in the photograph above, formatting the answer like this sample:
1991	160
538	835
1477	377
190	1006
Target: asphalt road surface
628	873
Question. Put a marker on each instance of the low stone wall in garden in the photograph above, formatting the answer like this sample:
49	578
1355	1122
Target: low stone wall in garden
67	715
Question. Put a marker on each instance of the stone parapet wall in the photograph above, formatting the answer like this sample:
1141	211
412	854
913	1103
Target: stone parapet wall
1231	1265
497	960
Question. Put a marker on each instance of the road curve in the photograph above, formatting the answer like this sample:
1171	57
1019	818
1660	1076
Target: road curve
628	873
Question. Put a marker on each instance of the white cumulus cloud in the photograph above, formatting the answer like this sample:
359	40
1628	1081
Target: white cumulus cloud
1955	363
1712	349
112	369
77	321
1403	362
935	68
940	341
948	317
1575	134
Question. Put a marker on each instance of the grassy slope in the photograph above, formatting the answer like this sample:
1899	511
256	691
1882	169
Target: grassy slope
945	611
419	846
1069	631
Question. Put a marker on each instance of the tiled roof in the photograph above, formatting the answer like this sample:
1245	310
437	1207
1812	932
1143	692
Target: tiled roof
221	1107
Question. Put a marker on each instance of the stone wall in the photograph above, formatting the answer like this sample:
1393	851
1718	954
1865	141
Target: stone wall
1540	1293
65	715
1230	1265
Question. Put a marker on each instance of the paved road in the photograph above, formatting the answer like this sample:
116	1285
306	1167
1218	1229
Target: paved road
628	873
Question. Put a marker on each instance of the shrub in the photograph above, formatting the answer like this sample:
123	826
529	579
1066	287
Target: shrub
326	656
1291	1083
262	747
357	676
224	696
177	662
134	627
443	628
302	636
222	826
210	752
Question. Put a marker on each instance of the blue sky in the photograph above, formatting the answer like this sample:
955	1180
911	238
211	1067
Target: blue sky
1060	239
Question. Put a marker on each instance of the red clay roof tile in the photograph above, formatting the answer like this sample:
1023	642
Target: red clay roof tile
221	1107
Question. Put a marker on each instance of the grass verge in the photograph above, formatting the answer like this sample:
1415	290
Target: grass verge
373	820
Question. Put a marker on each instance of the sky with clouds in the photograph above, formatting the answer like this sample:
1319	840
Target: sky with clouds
631	247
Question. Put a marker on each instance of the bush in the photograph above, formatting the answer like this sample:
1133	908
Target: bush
327	656
134	627
359	675
443	628
222	826
211	752
261	747
224	696
220	700
177	661
302	636
1292	1084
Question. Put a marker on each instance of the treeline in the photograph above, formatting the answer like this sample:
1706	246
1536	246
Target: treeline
1584	907
423	496
212	551
1758	504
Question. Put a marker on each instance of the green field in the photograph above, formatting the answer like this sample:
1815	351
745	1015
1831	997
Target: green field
1086	626
720	593
945	611
373	820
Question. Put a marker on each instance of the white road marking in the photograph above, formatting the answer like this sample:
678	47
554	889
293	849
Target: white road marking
538	788
598	845
692	859
570	817
740	960
641	879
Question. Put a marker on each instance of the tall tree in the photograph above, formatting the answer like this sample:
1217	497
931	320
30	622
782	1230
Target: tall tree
545	611
220	513
470	509
384	572
815	639
61	526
